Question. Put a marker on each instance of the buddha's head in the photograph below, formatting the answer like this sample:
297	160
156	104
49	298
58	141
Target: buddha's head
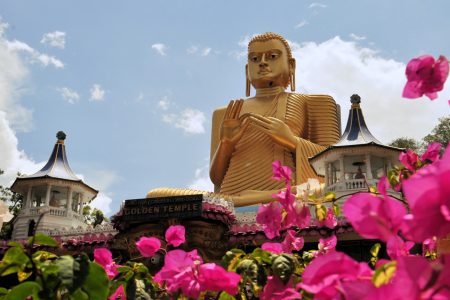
270	62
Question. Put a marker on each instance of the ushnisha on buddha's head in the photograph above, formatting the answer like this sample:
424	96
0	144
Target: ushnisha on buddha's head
270	62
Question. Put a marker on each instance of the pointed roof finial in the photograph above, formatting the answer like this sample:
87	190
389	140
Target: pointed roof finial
60	135
355	99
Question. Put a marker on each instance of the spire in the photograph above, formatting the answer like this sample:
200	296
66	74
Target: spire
57	165
356	131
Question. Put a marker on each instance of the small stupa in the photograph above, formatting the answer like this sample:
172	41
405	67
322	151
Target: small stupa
54	194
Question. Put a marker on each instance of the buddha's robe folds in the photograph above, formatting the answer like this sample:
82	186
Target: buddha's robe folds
312	118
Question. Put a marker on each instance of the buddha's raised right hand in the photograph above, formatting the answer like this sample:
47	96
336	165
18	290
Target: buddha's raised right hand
233	126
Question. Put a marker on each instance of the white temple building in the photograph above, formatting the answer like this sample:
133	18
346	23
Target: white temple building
54	193
358	160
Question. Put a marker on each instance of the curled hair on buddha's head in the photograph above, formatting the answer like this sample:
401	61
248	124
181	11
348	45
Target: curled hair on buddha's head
267	36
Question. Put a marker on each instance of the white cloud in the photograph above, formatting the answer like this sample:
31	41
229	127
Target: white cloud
342	68
160	48
97	93
301	24
69	95
102	180
190	120
205	52
55	39
317	5
35	56
192	50
357	37
200	51
164	103
102	202
243	45
201	181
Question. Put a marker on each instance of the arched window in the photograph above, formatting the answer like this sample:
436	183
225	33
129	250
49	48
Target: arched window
31	228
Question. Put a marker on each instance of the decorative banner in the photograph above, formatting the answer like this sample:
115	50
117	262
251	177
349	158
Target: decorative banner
181	207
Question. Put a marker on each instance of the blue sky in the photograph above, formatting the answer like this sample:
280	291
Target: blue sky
134	84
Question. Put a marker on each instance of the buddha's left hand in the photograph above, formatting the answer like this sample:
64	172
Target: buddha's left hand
276	129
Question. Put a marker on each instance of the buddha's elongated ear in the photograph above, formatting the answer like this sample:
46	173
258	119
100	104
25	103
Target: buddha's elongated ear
247	82
292	65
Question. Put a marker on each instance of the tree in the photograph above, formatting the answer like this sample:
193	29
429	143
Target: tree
407	143
14	201
440	133
94	216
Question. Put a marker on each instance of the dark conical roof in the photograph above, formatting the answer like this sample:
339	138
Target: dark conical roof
356	131
57	166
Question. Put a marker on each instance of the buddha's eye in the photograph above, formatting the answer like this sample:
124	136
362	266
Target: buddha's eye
272	55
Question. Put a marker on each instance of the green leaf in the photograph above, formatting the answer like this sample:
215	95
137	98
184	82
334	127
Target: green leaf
336	210
124	269
41	256
44	240
79	295
96	285
262	256
226	296
66	265
15	244
23	290
321	212
15	260
384	274
375	249
373	189
329	196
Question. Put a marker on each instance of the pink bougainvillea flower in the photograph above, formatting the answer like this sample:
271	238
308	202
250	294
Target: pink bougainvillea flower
215	278
179	272
425	76
275	248
432	152
118	294
175	235
330	220
285	197
409	159
429	245
397	247
275	289
428	195
297	215
374	217
281	172
148	246
327	245
269	216
416	278
325	274
292	242
103	257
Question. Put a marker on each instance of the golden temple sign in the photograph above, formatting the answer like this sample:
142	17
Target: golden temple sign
187	206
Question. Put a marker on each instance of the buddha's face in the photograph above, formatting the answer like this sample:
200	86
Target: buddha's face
268	64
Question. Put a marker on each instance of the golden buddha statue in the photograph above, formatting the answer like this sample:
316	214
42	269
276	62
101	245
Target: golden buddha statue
248	135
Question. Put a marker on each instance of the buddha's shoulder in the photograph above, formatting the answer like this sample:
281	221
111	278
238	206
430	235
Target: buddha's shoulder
311	97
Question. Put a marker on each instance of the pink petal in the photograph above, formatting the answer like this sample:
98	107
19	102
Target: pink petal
103	256
175	235
148	246
214	278
275	248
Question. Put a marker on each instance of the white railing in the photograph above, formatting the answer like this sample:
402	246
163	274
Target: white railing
351	185
60	212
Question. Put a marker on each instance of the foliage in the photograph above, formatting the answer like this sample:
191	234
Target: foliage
94	216
407	143
440	133
15	202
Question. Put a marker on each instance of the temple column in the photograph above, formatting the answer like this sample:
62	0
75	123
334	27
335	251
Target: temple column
341	166
47	195
28	204
369	175
327	174
69	202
